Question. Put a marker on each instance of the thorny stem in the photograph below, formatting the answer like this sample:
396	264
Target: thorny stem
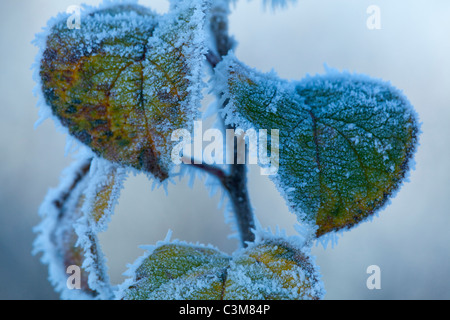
235	182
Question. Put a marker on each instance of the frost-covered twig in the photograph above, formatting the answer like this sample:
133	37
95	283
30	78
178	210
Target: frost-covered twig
236	181
218	24
213	170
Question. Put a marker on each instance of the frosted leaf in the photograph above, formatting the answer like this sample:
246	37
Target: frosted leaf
56	235
179	271
102	193
73	214
105	180
271	269
345	140
94	261
126	79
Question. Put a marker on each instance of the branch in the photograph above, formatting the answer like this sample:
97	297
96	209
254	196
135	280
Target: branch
213	170
236	181
218	23
235	184
212	59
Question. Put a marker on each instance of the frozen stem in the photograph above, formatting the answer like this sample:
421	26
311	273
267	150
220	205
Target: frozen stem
235	182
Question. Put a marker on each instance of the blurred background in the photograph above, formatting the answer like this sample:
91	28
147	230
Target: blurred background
409	240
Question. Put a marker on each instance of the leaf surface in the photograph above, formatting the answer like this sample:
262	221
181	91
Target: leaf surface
346	140
271	269
125	80
57	239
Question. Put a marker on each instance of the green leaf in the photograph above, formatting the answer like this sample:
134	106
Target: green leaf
172	270
346	140
125	80
271	269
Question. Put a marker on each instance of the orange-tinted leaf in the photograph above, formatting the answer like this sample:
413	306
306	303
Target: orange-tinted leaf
126	79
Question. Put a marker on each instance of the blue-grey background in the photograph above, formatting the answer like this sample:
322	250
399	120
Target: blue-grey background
410	240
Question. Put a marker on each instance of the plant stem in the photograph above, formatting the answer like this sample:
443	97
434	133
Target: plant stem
236	185
236	181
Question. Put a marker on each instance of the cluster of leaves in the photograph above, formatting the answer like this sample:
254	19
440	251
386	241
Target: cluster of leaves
129	77
268	269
